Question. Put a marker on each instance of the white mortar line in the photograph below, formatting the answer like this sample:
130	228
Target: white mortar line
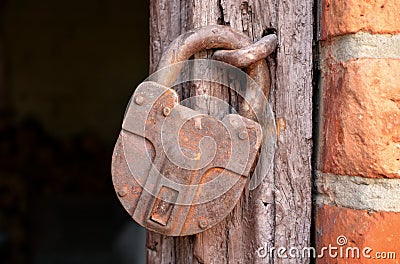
362	45
357	192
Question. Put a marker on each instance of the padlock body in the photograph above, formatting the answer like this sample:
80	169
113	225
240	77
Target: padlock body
177	171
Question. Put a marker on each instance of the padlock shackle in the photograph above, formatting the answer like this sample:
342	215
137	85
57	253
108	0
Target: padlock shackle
218	37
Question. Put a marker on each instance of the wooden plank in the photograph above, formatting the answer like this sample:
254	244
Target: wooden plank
278	212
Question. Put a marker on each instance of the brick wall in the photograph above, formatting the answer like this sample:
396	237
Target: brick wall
358	169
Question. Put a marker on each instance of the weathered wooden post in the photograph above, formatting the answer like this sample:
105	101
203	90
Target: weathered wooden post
277	213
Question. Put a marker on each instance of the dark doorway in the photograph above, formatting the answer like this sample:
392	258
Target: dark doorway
68	69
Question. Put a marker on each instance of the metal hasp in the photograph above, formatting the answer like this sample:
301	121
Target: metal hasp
179	172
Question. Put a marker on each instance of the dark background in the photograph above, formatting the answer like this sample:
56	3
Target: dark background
67	70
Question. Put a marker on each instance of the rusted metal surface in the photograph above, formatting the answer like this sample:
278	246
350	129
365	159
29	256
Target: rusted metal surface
246	56
223	37
184	171
176	171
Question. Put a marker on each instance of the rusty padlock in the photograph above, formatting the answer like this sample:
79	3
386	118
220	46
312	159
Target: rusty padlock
172	165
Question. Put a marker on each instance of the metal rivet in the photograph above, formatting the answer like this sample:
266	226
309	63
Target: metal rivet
123	192
243	134
139	100
166	111
203	223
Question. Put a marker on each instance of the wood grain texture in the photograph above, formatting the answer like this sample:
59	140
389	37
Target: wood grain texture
278	212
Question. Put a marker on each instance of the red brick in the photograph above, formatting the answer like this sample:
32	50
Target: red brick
341	17
377	230
361	119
